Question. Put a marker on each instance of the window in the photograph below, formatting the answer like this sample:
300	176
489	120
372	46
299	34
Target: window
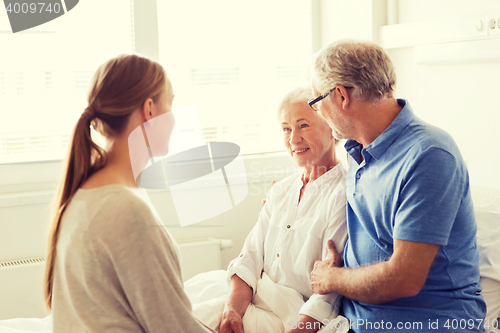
45	73
235	60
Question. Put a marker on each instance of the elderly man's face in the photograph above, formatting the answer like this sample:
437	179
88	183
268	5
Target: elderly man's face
330	112
306	135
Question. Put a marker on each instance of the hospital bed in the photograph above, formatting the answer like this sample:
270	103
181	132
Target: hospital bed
487	209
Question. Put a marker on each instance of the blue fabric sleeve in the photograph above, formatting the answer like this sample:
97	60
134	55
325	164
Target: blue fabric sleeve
430	198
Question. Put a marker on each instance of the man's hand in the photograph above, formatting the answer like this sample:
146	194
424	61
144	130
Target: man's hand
322	272
402	276
231	321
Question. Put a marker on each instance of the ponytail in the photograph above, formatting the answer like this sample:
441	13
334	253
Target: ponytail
85	157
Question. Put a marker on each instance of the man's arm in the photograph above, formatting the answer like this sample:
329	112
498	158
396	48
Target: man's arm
403	275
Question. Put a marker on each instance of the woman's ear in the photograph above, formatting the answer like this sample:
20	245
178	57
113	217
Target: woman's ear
147	109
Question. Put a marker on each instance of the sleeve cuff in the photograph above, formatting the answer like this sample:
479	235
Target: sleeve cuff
418	236
243	273
319	309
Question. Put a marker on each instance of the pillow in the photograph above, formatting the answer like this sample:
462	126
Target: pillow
488	241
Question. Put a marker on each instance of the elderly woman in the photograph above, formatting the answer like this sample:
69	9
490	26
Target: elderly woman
302	214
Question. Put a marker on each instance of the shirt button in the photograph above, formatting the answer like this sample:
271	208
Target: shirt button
358	175
278	255
288	226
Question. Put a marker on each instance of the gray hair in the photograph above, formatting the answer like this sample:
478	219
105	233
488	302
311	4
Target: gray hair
362	65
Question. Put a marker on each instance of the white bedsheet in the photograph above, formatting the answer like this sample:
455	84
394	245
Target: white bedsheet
23	325
272	309
488	241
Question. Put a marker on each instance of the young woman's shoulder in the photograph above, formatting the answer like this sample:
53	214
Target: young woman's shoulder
116	209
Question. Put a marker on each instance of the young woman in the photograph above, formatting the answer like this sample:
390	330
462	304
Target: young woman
111	266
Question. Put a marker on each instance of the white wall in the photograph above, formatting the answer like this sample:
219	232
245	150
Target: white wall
409	11
446	67
459	94
352	19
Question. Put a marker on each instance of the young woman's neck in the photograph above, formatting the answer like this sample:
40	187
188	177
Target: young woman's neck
119	163
118	168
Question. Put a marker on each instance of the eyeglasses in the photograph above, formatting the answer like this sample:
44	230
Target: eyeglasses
313	101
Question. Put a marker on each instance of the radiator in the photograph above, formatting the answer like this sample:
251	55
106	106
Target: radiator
21	288
202	255
21	280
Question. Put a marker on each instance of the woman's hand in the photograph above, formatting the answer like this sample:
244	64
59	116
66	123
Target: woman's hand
208	328
231	322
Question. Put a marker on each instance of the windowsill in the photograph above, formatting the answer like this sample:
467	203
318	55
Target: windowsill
36	183
26	198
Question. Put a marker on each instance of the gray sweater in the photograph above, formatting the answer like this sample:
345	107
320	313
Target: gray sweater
117	267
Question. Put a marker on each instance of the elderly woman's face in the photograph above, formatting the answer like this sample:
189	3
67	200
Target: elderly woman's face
306	135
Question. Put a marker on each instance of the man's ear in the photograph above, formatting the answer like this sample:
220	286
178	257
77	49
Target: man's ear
147	109
342	91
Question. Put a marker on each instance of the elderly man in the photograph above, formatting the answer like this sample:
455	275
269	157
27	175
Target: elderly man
411	260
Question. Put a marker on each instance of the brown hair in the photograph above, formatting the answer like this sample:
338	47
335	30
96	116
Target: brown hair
119	87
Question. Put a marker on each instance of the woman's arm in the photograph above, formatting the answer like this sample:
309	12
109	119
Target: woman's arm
240	295
304	324
244	271
248	266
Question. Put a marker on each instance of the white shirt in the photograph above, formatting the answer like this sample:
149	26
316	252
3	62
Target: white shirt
290	236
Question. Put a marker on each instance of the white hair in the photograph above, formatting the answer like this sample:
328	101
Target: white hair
297	95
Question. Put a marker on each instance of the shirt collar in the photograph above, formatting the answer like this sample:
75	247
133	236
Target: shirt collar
378	147
333	173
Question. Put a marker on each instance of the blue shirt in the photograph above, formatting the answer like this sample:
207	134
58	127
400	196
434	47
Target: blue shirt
413	185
